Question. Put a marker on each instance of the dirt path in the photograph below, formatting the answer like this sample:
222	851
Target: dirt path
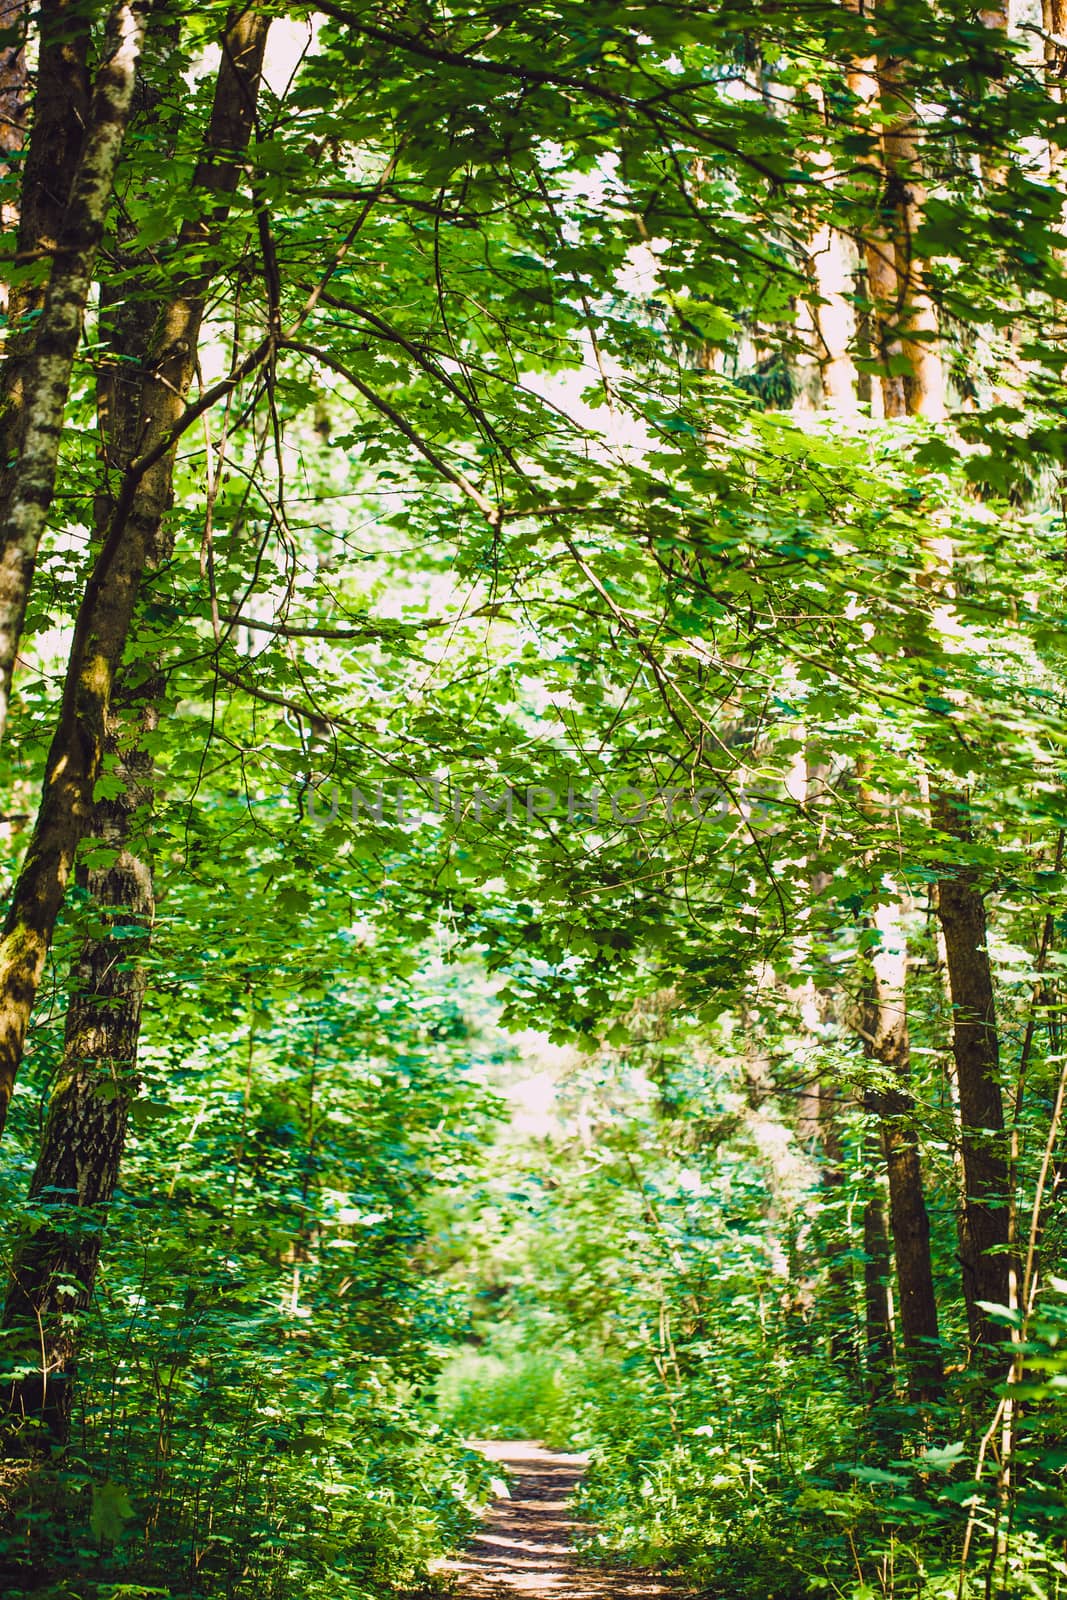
524	1545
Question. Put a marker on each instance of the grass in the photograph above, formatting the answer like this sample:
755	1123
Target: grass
495	1392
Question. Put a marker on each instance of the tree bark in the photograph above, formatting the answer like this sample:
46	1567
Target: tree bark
879	257
1054	28
885	1018
975	1047
134	541
886	1040
831	308
60	114
14	98
917	326
841	1290
54	1266
28	493
835	319
877	1320
902	317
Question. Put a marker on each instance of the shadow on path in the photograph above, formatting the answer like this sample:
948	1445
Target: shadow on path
523	1548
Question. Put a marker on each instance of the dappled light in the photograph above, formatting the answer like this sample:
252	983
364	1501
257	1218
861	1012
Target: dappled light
533	800
525	1543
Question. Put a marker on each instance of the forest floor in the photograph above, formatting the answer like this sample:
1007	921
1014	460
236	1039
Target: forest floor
524	1547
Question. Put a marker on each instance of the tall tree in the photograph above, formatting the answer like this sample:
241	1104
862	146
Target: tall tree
915	387
53	1268
976	1050
884	1008
133	540
885	1023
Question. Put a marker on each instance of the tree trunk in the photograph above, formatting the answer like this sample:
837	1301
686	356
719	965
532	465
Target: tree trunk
28	497
841	1290
975	1047
53	1270
877	1320
835	319
819	1118
985	1239
885	1020
924	378
879	257
59	119
903	321
54	1266
14	100
135	540
60	115
1054	27
886	1039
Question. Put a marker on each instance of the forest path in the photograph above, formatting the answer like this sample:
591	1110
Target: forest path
523	1548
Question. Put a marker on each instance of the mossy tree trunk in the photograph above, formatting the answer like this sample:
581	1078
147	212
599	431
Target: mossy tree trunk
55	1264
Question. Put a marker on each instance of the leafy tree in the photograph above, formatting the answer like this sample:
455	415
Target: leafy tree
532	518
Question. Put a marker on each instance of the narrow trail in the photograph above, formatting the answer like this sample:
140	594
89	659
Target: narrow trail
524	1544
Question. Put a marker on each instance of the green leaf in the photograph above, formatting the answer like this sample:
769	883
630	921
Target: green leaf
111	1511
